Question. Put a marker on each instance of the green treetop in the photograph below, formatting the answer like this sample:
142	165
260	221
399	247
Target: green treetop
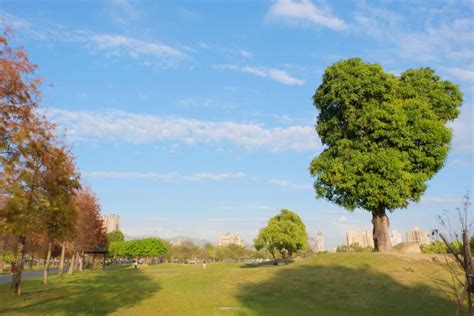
384	137
285	233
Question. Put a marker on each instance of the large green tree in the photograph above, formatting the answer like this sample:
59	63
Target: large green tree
385	136
284	234
115	236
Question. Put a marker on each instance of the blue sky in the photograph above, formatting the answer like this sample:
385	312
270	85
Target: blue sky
196	118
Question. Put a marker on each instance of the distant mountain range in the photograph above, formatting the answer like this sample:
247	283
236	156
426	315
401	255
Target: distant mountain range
196	241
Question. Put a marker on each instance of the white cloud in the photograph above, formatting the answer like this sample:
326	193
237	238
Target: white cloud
244	53
275	74
461	74
143	128
148	52
304	11
460	164
117	45
437	200
169	177
447	39
441	36
291	185
229	51
342	219
463	130
122	12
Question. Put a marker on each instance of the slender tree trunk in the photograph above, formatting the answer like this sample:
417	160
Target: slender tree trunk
2	260
81	263
17	267
381	233
72	264
31	262
61	262
46	264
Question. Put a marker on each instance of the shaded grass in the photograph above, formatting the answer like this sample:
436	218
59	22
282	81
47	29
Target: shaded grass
329	284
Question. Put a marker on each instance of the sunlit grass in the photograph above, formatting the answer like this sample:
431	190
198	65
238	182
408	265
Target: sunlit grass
330	284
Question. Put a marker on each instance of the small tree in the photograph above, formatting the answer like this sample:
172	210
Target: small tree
115	236
384	137
285	234
60	182
89	229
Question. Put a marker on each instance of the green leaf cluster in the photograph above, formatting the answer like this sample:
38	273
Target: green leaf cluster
115	236
146	247
285	234
384	135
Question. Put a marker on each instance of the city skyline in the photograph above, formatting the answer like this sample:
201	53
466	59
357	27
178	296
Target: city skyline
191	128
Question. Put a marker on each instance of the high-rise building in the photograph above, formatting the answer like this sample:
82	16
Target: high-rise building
363	239
419	236
395	237
230	239
367	239
319	242
353	237
111	222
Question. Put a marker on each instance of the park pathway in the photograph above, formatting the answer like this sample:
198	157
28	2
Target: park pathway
6	278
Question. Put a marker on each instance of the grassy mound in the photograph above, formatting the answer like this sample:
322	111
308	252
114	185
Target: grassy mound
329	284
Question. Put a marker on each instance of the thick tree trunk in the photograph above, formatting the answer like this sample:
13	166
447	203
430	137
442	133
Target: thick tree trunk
72	264
17	267
61	262
381	233
46	264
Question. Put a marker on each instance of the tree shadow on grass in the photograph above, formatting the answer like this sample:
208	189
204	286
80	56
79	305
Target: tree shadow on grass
341	290
272	263
91	293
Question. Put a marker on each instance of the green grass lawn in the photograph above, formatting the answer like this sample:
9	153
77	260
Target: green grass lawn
329	284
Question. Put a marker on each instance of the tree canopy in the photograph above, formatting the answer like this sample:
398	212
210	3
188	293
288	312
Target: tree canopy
384	136
146	247
114	236
285	234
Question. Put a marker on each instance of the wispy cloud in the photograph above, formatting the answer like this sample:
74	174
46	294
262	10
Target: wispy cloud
148	52
274	74
290	185
123	12
461	74
440	37
117	45
143	128
463	129
233	52
304	11
342	219
168	177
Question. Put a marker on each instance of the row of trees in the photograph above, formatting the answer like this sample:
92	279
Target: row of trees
41	200
144	248
184	252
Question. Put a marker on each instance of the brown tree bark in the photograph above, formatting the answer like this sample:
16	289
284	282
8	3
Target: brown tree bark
17	267
46	264
61	262
381	233
72	264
